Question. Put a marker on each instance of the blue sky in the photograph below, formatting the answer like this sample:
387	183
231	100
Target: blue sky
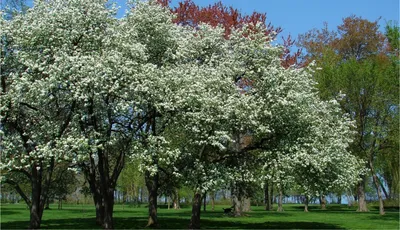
298	16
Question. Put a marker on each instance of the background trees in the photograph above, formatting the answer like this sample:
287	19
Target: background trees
355	62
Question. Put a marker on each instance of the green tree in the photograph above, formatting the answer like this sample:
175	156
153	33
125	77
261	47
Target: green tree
352	63
131	181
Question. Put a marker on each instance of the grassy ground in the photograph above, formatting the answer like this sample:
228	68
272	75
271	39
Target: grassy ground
16	216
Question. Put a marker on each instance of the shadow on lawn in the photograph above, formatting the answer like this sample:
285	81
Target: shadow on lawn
268	225
8	212
167	223
389	216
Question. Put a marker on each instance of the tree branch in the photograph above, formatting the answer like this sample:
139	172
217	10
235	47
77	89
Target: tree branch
19	190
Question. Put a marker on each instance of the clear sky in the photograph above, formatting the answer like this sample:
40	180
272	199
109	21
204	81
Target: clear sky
298	16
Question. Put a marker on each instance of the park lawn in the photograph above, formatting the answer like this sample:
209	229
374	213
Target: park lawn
16	216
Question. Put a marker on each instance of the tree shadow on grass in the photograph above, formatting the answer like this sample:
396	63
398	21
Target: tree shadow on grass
8	212
72	223
263	214
215	224
268	225
389	216
166	223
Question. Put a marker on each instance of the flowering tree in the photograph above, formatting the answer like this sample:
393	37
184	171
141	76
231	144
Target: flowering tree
36	111
293	124
325	163
75	73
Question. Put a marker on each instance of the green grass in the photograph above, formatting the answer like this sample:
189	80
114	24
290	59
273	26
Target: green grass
16	216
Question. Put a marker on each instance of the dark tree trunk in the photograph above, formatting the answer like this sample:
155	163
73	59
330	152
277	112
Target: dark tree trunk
108	222
47	204
306	204
362	204
152	187
339	198
36	209
205	202
95	190
102	177
40	184
141	195
196	209
35	213
271	197
212	196
104	200
266	197
99	205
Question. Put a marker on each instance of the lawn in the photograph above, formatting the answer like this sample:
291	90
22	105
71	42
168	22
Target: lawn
16	216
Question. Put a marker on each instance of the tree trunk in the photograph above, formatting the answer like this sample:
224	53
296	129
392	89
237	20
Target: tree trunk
108	209
267	200
94	186
322	201
362	204
387	195
176	199
237	205
306	204
205	202
35	213
47	204
271	198
377	187
212	196
141	195
246	207
196	209
59	205
280	206
39	195
152	187
98	202
339	198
